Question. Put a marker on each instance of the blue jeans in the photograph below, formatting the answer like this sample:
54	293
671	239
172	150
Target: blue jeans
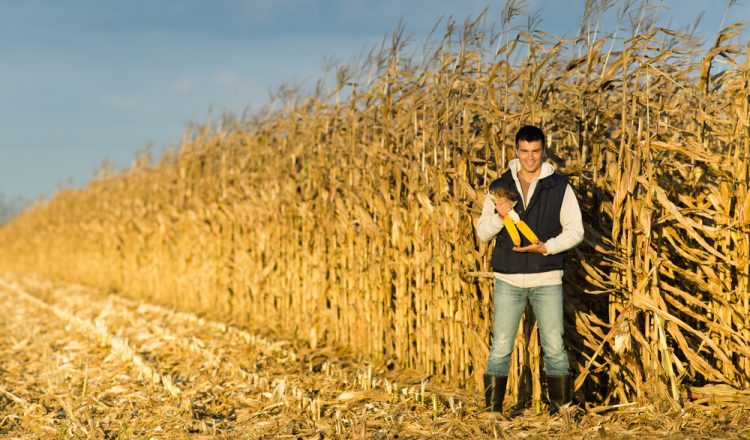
510	302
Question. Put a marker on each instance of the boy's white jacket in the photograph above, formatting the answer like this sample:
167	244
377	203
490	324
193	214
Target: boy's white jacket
490	224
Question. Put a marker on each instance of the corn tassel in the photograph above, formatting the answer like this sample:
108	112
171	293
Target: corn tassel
511	228
527	232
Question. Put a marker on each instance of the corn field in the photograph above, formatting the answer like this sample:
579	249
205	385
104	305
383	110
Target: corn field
346	217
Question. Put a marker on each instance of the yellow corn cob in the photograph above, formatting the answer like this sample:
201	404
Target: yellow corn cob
527	232
512	230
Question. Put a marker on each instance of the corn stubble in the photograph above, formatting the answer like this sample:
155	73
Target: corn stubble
348	217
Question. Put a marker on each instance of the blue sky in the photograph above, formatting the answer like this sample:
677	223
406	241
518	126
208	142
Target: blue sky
84	81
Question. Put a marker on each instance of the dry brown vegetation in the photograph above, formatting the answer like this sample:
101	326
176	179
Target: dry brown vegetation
80	363
346	218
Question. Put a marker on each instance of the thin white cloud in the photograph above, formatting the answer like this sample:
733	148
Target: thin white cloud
418	17
120	101
227	78
183	85
269	11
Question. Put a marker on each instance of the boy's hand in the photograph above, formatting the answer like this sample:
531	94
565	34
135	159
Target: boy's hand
536	248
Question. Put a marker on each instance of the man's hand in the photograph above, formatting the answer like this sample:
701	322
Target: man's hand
536	248
503	207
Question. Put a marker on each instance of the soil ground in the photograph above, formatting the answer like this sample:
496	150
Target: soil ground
77	363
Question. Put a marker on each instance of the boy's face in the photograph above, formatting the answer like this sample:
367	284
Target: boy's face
530	154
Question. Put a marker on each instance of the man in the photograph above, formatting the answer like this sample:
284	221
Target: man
531	271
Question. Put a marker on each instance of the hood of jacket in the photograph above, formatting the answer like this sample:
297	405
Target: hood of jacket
514	165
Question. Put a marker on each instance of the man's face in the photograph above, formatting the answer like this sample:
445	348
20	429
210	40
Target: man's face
530	155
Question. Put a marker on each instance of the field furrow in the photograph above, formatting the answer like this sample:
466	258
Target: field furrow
66	382
79	363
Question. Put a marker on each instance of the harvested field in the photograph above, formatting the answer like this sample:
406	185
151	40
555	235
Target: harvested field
81	363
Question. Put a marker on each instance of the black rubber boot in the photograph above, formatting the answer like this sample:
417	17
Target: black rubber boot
559	389
494	392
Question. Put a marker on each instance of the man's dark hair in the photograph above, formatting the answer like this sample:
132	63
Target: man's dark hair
530	133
